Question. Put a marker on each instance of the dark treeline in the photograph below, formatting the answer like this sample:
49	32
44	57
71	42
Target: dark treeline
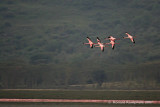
146	76
41	44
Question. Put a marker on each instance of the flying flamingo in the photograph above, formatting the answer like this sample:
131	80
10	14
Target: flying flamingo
89	42
130	37
112	41
111	38
101	45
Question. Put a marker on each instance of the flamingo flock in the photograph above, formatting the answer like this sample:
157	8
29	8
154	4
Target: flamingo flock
111	39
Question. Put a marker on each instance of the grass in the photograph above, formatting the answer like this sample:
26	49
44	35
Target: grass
79	94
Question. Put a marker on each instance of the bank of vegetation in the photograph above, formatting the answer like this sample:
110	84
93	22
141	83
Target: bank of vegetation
41	44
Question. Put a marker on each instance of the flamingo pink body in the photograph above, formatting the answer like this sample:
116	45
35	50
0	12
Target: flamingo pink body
112	41
113	44
89	42
111	38
130	37
101	45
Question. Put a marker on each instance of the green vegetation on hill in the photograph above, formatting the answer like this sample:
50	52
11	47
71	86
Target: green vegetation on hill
41	43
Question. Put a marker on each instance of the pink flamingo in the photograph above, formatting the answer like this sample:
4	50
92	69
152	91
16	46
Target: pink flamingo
111	38
101	45
130	37
112	41
89	42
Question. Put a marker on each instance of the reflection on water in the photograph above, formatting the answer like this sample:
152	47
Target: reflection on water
71	105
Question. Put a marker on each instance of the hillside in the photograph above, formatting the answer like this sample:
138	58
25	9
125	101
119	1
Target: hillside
41	42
